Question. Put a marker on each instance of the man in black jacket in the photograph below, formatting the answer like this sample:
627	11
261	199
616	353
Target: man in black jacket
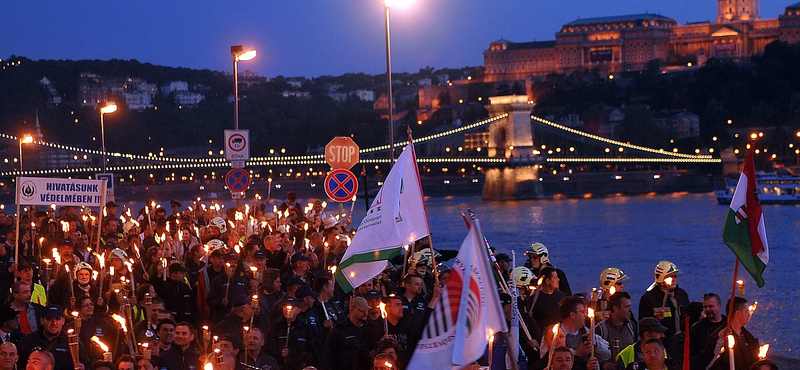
341	346
53	338
178	297
234	322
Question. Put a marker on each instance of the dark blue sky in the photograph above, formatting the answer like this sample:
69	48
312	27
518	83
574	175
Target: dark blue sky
305	37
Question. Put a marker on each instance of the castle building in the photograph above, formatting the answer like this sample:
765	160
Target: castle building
629	42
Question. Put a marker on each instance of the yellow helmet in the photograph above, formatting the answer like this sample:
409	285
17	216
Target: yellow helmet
540	250
611	276
665	269
424	255
524	276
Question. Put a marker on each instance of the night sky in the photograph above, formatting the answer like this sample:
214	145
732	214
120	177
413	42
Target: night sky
306	37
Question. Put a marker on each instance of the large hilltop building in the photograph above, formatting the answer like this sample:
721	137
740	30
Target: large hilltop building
628	43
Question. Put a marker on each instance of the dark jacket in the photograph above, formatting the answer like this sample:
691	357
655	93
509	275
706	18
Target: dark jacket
177	359
341	346
58	346
653	300
239	285
180	299
745	351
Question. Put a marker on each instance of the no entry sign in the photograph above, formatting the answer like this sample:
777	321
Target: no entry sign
237	179
341	185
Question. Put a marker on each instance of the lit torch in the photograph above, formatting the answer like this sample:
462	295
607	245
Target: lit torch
74	347
107	356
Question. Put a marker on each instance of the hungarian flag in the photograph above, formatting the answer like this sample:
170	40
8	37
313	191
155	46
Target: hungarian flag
744	231
467	314
395	218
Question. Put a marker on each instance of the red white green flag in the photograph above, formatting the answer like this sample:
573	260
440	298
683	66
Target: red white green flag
744	231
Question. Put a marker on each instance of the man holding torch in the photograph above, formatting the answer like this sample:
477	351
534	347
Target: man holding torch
178	297
665	300
52	335
745	346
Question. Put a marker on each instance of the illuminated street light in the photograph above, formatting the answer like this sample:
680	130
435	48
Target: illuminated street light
110	107
238	54
27	139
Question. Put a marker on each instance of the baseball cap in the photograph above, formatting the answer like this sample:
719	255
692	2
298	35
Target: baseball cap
651	324
295	280
373	294
297	257
305	291
53	311
177	267
260	254
239	301
503	257
359	303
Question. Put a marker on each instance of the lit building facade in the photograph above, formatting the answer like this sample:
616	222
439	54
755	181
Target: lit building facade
628	43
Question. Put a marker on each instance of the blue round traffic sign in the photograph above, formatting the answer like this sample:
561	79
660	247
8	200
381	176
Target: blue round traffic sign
341	185
237	180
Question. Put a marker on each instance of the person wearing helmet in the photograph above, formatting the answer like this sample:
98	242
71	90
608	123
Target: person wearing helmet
82	283
665	300
539	258
611	280
216	228
523	277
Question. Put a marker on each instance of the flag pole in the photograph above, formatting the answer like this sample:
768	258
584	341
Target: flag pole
493	263
733	294
424	209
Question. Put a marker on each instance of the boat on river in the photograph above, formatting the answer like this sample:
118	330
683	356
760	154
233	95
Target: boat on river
782	187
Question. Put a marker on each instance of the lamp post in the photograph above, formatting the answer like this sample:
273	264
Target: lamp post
110	107
27	139
386	5
238	54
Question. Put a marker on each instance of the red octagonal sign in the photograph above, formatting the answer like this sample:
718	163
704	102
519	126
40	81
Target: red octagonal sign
341	152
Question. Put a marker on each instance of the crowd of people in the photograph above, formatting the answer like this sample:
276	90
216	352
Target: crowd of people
201	286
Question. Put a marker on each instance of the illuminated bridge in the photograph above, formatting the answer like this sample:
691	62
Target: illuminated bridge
511	141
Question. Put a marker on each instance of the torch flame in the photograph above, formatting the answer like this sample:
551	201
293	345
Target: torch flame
590	311
668	281
612	290
383	309
121	321
731	341
333	270
762	351
99	343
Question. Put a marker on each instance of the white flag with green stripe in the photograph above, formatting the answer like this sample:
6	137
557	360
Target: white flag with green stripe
395	218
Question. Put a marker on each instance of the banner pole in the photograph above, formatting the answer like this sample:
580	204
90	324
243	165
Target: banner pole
733	295
424	207
17	233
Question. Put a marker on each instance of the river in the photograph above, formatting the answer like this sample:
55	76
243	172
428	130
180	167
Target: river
634	233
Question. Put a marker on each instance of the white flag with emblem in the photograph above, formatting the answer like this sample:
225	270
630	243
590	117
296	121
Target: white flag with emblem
466	316
396	218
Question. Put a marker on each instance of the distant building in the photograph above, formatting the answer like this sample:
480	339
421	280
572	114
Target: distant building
187	99
629	42
91	90
53	98
297	94
364	95
247	79
174	86
679	125
137	100
295	82
381	105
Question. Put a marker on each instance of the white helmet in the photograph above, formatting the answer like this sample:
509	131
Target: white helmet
524	276
118	253
82	266
219	223
215	244
540	250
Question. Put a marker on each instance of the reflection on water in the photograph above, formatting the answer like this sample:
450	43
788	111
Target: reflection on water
634	234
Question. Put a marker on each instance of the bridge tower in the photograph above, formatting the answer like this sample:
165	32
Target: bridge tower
511	138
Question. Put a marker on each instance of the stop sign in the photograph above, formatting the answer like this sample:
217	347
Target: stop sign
341	152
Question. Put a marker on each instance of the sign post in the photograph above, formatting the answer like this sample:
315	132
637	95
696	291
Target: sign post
238	181
237	147
342	154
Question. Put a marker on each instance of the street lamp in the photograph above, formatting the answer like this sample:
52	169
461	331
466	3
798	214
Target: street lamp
27	139
238	54
110	107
